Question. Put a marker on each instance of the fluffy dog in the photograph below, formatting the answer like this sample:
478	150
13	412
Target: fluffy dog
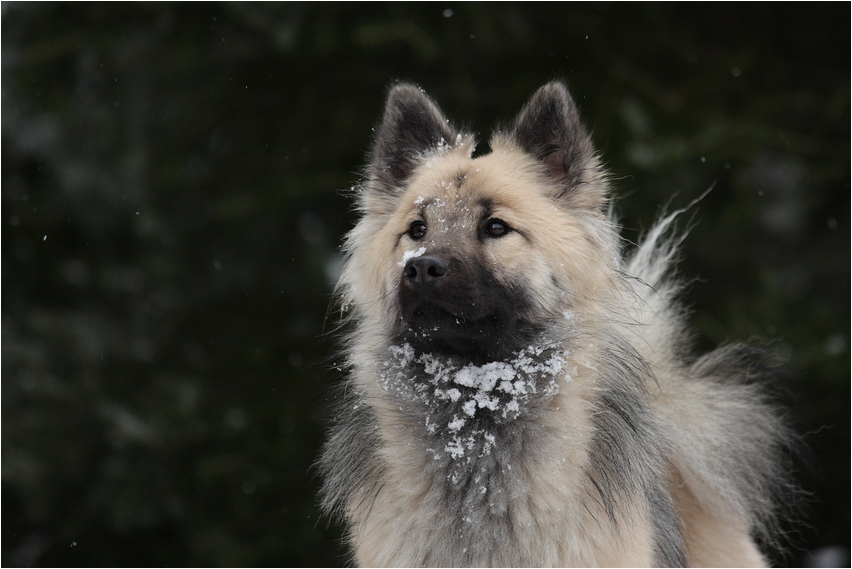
520	393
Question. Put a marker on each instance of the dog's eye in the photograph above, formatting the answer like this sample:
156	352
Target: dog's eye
417	230
496	228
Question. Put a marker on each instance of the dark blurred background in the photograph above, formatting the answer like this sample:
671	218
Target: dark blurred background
173	201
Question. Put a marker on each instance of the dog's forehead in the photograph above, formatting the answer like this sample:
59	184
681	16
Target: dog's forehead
505	178
460	205
455	188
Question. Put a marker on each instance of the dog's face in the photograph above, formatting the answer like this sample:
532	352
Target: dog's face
476	256
468	278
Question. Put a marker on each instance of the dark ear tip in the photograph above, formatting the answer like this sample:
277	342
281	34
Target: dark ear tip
554	90
404	91
555	85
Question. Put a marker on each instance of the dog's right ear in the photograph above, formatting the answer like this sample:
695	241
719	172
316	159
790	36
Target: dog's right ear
412	126
549	128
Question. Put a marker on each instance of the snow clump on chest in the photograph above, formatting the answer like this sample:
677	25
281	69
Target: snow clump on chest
463	408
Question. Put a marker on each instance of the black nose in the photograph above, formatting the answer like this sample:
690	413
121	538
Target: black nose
425	270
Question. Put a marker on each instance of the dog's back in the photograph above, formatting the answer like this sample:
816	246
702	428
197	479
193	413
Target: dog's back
728	454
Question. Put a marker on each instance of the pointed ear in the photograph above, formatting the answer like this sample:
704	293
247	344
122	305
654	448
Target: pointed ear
412	125
549	128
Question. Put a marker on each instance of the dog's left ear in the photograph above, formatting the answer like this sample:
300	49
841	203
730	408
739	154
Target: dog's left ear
549	128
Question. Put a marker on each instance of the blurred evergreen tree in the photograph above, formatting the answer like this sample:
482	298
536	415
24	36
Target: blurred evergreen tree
172	210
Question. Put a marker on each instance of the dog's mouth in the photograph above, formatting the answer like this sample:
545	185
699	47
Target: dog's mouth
432	319
446	315
475	335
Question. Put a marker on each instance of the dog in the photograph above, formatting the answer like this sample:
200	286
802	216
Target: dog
520	392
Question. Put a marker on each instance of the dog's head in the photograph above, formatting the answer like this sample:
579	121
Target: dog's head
457	254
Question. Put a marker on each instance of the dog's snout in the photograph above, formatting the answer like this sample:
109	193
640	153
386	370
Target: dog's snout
425	270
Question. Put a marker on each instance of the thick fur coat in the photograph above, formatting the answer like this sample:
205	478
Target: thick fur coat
520	392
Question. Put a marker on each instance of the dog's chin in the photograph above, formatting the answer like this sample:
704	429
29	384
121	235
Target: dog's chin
489	337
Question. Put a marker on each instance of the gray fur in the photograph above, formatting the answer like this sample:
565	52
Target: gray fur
629	455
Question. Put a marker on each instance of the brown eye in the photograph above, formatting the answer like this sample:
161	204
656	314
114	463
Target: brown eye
417	230
496	228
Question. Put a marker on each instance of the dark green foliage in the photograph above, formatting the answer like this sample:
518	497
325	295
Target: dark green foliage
172	210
